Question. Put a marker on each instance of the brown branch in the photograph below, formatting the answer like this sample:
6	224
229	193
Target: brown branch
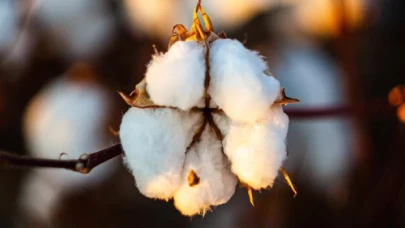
82	165
88	162
373	108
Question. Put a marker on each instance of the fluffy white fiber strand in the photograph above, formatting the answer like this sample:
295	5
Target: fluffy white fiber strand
258	150
69	117
155	142
238	82
176	78
216	181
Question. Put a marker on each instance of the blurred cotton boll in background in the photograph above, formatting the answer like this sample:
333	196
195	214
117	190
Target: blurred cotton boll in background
80	29
322	17
8	23
16	40
70	115
156	18
321	150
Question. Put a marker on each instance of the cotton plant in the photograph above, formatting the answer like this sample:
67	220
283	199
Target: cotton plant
207	116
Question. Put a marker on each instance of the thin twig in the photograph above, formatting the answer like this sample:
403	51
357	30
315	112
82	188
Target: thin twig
374	108
88	162
82	165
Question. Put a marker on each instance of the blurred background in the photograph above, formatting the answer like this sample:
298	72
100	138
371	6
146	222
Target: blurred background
61	63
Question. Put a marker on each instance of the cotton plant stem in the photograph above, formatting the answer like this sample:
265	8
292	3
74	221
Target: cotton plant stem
376	108
84	164
88	162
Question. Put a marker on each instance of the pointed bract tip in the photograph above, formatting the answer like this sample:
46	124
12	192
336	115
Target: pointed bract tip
126	98
250	194
288	180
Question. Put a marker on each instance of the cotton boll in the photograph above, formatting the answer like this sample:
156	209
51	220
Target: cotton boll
155	143
66	116
216	182
69	116
238	83
79	28
322	147
176	78
258	150
8	23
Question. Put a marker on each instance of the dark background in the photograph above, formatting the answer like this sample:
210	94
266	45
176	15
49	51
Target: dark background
368	58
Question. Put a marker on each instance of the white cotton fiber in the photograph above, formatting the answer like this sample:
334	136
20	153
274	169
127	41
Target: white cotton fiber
222	121
258	150
216	182
238	83
155	142
176	78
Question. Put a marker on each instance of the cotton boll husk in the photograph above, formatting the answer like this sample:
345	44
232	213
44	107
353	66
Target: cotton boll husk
216	182
238	83
176	78
155	143
66	116
258	150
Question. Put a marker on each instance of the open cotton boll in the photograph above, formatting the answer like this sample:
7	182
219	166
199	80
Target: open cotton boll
238	83
176	78
216	183
258	150
155	143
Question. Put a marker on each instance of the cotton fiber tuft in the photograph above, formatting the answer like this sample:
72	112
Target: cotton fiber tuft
155	141
239	84
258	150
176	78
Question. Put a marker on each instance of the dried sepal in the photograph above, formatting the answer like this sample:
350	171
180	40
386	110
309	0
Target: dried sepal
284	100
288	180
268	73
192	178
197	32
222	35
140	97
